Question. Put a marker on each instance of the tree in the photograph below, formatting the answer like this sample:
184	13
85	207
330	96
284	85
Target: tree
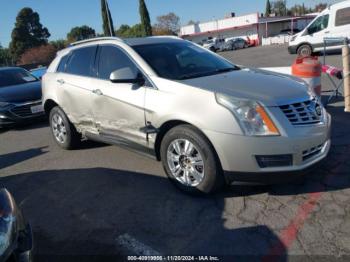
125	31
145	20
28	33
59	44
191	22
5	57
168	24
280	8
108	27
320	7
80	33
38	55
268	8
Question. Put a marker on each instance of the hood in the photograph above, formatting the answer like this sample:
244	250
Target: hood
272	89
21	93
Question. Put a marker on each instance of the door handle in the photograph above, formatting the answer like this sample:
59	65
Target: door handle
327	32
60	81
97	92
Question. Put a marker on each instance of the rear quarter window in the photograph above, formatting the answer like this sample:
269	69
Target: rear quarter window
342	17
62	65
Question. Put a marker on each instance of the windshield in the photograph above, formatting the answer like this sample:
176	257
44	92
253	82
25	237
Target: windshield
319	24
16	76
182	60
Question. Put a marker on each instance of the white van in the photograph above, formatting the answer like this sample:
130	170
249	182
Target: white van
334	21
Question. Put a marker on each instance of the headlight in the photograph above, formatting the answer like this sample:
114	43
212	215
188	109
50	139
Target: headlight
252	117
7	220
3	104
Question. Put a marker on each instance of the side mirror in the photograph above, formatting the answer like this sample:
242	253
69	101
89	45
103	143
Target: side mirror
127	76
308	31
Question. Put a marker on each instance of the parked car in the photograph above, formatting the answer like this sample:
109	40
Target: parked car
16	240
286	32
214	44
333	22
20	96
39	72
208	120
234	44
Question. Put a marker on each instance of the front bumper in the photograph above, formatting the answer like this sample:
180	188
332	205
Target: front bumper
19	113
238	153
292	50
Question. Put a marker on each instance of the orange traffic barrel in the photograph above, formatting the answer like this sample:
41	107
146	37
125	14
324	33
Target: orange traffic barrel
310	70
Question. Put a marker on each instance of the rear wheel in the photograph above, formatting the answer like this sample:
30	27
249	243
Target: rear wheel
64	133
304	50
190	161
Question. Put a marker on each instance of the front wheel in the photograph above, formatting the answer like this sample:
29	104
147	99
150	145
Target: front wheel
190	161
304	50
64	133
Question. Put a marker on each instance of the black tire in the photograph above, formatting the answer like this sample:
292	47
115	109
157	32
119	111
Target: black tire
213	49
304	50
73	138
213	179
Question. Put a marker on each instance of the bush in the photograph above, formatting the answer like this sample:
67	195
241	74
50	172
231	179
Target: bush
38	55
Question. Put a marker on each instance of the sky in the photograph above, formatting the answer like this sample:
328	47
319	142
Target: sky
59	16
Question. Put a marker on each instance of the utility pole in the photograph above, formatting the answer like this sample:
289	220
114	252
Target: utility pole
109	21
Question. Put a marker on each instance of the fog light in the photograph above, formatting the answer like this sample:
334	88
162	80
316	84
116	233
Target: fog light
274	161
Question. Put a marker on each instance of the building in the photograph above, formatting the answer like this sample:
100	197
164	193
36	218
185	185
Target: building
251	27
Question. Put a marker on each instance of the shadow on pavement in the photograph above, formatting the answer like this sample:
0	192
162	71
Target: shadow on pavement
75	213
17	157
25	126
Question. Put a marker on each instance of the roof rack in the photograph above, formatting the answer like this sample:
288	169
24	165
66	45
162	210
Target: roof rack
96	39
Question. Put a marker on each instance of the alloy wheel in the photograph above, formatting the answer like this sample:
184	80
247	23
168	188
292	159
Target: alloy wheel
58	128
185	162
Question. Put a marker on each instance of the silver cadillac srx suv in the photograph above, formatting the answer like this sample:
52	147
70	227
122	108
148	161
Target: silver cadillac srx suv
209	121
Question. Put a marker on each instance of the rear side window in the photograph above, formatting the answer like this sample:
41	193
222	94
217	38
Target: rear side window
342	17
81	61
111	59
62	66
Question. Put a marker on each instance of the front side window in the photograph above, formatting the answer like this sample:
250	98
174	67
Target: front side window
342	17
182	60
16	76
112	59
81	61
319	24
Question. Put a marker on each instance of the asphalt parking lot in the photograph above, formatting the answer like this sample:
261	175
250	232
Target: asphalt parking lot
102	201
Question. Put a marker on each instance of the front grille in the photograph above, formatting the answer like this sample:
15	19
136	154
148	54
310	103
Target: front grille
303	113
24	110
314	151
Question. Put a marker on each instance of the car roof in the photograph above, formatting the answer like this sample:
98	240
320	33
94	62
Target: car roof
152	40
129	41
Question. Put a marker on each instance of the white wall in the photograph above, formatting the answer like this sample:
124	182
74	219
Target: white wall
221	24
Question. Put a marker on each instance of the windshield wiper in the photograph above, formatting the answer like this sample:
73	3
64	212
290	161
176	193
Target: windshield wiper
228	69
